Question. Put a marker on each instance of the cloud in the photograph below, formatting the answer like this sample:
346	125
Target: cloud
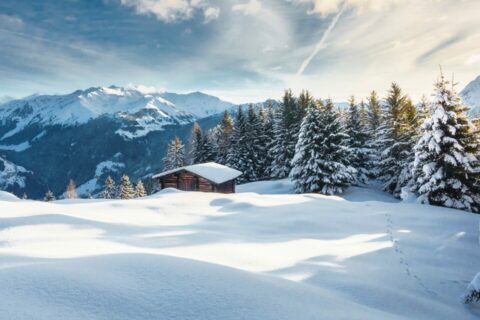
211	13
248	8
170	11
334	6
10	21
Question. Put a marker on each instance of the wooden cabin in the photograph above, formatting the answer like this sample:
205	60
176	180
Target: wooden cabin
204	177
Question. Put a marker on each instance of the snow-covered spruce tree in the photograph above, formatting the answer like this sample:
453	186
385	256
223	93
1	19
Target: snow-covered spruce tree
196	144
223	134
239	152
49	196
140	190
71	192
267	139
256	146
286	135
390	147
374	121
358	142
109	190
208	150
175	157
321	157
446	168
408	137
125	190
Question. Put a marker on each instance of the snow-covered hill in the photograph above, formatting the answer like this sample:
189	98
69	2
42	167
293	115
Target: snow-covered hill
471	97
178	255
149	110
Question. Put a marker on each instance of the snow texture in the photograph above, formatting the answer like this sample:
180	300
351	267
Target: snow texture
191	255
212	171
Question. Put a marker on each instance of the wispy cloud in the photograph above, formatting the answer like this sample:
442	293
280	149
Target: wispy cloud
248	8
170	11
334	6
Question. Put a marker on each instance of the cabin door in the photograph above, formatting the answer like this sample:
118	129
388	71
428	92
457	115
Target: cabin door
187	184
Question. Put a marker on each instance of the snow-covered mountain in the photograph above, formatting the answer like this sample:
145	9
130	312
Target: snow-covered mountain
142	110
471	97
45	140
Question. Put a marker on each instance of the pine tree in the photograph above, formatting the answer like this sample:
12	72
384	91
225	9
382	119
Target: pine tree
24	196
357	142
208	150
321	157
125	190
286	133
391	146
255	146
408	137
109	190
238	155
49	196
374	121
223	136
446	168
140	190
175	157
196	145
71	192
267	139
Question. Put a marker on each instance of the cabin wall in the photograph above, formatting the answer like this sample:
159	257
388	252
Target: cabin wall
187	181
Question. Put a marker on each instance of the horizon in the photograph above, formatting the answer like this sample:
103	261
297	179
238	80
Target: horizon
241	50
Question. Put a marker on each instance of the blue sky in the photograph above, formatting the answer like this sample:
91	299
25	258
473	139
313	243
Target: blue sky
240	50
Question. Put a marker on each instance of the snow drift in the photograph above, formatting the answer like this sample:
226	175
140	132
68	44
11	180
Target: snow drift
190	255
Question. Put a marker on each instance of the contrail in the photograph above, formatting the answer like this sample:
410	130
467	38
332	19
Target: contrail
321	43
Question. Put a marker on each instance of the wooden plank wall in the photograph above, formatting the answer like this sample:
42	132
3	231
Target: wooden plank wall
186	180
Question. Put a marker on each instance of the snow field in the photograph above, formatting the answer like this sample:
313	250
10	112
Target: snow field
242	256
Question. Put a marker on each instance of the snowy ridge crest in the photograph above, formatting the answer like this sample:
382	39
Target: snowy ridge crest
144	109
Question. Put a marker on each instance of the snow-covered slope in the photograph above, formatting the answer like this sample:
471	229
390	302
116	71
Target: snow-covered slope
179	255
149	110
471	97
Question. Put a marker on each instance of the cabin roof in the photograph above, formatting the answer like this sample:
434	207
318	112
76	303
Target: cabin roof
212	171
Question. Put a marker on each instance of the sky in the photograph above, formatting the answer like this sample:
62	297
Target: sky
240	50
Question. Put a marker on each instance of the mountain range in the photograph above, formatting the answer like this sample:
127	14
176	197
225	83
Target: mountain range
86	135
47	139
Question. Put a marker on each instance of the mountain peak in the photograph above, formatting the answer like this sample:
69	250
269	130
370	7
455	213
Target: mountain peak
471	97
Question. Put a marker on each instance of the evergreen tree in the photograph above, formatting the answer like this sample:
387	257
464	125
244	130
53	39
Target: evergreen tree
71	192
267	132
175	157
109	191
140	190
446	168
238	155
408	137
208	151
24	196
374	121
125	190
255	147
223	136
391	145
357	142
321	157
49	196
286	136
196	144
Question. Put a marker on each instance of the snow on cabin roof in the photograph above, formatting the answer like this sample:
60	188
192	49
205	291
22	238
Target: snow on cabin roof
212	171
